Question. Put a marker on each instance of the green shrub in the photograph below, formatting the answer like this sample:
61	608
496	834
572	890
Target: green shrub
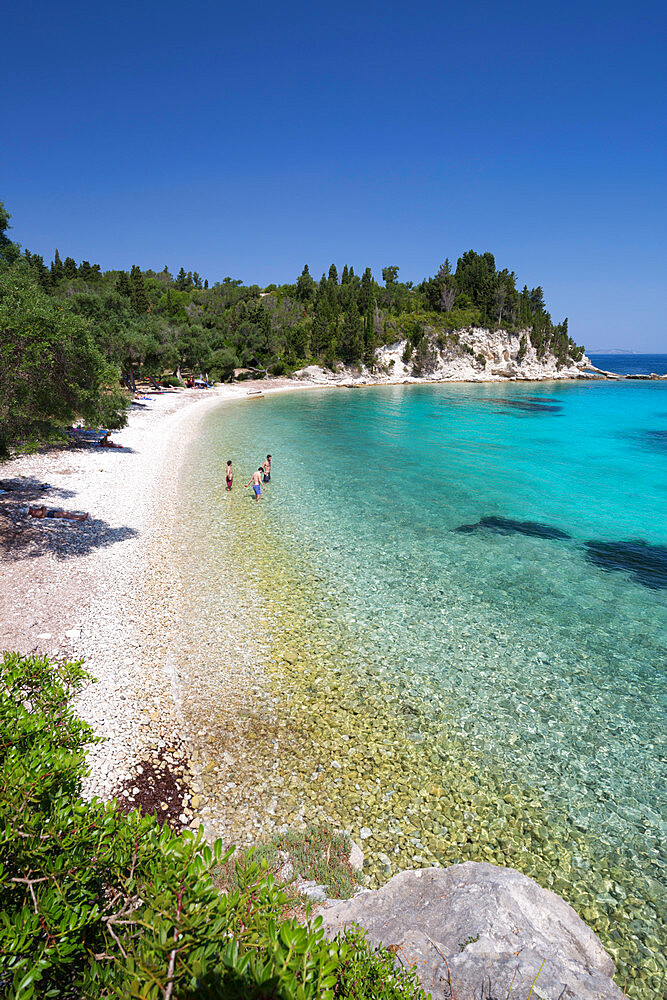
318	853
95	904
523	347
172	381
481	360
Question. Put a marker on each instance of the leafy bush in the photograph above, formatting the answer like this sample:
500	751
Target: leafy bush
481	360
171	381
462	319
96	904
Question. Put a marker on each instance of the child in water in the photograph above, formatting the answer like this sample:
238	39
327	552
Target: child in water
256	483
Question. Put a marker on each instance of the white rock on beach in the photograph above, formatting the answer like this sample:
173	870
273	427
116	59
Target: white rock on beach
478	923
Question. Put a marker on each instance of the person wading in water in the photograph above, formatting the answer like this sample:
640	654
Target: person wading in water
256	483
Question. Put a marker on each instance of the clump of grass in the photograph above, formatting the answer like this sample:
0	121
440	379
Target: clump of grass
317	853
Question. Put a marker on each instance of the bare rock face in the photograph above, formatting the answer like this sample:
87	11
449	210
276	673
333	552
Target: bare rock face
480	932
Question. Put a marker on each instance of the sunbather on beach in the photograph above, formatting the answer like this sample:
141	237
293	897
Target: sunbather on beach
106	441
256	483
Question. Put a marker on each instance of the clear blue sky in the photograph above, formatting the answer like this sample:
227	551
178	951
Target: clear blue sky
249	139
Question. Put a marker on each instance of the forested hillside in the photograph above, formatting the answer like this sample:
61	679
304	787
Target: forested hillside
71	334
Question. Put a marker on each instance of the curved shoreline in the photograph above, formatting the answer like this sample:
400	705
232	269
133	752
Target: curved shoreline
73	590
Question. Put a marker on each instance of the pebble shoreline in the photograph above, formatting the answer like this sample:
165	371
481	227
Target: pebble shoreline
95	589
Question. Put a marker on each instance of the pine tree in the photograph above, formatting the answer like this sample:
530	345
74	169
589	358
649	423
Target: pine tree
138	290
305	286
69	268
85	270
56	268
123	284
182	280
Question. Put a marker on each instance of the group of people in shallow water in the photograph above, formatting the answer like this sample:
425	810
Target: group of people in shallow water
263	475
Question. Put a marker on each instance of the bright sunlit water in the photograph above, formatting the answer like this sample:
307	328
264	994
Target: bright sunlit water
508	545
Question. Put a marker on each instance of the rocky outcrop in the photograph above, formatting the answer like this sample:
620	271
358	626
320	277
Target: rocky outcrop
479	932
472	355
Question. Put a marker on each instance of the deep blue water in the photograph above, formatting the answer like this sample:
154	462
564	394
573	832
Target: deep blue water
631	364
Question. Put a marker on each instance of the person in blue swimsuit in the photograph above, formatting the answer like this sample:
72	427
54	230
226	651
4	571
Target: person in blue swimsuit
256	483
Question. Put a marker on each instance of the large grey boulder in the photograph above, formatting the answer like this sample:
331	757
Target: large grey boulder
480	932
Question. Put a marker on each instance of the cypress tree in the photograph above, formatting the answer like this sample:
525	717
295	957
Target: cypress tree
56	268
85	270
322	330
333	276
123	284
351	341
69	267
366	291
205	282
138	290
345	277
181	280
42	271
370	339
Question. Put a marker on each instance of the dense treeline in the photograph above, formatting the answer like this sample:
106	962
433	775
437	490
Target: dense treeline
115	325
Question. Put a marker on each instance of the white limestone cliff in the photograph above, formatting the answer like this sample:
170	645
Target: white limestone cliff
457	358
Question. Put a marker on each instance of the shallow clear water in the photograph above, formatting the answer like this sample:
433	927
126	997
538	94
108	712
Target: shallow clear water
493	561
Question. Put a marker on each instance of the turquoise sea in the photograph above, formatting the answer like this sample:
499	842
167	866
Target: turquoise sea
495	555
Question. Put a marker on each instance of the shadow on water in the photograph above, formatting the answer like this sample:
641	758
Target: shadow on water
528	405
645	563
655	440
507	526
25	537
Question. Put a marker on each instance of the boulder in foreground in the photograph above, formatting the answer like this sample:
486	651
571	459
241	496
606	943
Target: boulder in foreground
476	931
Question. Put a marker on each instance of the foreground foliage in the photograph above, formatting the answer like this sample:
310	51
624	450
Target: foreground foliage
95	904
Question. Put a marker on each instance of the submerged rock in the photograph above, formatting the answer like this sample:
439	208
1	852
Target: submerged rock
646	563
477	926
508	526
